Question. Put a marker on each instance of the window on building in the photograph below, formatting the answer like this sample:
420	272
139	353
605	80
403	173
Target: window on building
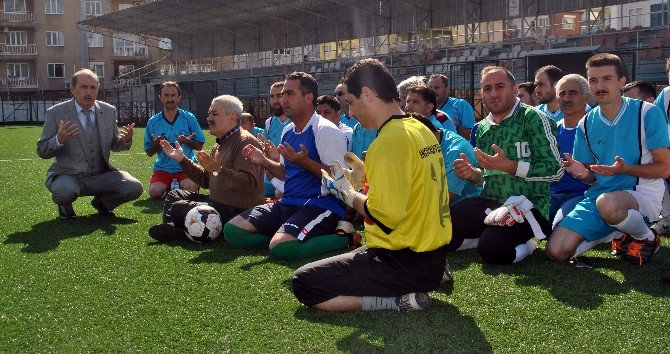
543	22
93	8
55	39
128	45
17	38
165	43
53	7
17	70
569	22
56	70
635	17
659	14
15	6
98	68
125	6
124	70
95	40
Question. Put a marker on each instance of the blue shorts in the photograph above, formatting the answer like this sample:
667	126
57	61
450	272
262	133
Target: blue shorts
301	222
585	220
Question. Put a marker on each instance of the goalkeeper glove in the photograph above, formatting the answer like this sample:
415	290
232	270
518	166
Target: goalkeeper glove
515	209
338	185
356	175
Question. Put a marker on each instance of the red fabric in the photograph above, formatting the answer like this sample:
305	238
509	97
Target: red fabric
166	178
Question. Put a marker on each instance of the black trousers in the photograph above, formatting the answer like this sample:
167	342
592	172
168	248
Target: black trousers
496	243
369	272
179	202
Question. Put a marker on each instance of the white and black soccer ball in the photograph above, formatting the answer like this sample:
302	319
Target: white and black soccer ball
202	224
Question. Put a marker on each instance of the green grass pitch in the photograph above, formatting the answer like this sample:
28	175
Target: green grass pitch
104	286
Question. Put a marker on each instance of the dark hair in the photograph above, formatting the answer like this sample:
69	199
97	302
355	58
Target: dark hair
248	117
606	59
171	84
553	72
444	79
426	93
425	122
277	84
646	88
371	73
329	100
307	83
528	86
492	68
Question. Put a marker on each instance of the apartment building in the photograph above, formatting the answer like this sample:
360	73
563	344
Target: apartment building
41	45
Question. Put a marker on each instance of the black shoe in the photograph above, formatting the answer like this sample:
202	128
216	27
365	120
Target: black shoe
165	232
666	278
102	210
66	212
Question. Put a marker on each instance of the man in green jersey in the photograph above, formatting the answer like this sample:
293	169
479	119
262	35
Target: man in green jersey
518	157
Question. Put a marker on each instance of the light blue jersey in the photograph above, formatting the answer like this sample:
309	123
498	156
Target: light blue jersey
348	121
638	128
663	102
257	131
361	140
558	115
184	124
448	123
436	123
274	128
452	146
460	111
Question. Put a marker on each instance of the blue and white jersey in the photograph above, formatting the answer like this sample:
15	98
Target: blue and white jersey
349	121
436	123
638	128
558	115
361	139
184	124
460	111
325	143
452	146
566	141
663	102
348	133
274	128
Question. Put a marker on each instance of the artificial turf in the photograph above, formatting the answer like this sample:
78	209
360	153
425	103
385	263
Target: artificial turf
102	285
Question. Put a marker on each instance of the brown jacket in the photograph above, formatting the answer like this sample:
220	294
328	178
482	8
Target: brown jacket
238	182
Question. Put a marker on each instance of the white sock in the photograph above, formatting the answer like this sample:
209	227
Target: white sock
524	250
665	211
372	303
635	226
468	243
587	245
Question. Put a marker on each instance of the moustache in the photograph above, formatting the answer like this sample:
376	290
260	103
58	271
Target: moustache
601	92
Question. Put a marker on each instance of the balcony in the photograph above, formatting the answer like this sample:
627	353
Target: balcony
19	83
17	19
130	53
26	51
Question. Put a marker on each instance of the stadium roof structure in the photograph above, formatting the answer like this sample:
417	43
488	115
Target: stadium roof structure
215	28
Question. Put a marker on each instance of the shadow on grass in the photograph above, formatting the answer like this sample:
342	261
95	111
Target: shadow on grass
47	235
441	328
586	288
150	206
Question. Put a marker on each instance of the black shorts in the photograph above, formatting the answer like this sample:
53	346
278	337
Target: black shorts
301	222
369	272
179	202
496	243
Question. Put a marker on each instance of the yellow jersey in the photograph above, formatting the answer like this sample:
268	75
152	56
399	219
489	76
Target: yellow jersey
408	197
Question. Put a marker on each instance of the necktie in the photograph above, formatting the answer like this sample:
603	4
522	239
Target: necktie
89	122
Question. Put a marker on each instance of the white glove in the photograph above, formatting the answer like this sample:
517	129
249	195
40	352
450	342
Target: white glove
338	185
516	209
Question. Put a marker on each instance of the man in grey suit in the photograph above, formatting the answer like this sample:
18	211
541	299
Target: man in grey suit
79	135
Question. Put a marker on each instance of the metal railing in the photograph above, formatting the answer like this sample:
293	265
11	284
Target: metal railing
131	52
10	49
17	16
19	82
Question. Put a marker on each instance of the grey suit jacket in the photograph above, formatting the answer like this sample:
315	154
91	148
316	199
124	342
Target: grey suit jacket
70	158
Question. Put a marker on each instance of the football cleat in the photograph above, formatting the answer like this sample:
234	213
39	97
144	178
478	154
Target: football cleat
662	226
639	252
413	302
619	244
447	276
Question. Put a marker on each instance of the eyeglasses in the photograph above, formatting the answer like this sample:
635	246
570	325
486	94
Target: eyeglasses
339	93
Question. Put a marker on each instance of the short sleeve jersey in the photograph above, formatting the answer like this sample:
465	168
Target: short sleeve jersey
448	124
566	141
274	128
663	102
529	137
453	145
325	143
638	128
184	124
348	121
361	140
460	111
348	133
408	199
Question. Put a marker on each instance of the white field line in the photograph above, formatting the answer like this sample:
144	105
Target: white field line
114	154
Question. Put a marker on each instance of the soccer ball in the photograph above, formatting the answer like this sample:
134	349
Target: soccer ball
202	224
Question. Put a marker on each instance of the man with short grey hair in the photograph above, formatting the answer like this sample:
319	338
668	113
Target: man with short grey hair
234	183
79	135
